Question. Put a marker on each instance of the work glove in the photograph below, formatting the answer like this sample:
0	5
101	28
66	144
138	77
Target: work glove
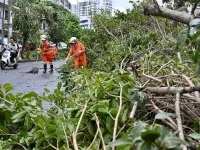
78	52
38	50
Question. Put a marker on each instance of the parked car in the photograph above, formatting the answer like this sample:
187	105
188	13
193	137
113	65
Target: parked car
52	44
62	45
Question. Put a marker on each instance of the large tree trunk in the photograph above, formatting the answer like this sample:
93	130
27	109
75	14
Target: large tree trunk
179	16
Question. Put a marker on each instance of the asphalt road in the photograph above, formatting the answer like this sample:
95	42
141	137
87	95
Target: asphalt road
26	82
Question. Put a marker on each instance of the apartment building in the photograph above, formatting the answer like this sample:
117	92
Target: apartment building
5	5
86	9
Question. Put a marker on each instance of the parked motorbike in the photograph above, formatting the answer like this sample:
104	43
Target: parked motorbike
9	59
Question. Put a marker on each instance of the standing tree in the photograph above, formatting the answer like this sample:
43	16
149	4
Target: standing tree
26	21
61	23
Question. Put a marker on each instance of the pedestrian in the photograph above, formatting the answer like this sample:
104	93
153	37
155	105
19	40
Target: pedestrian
46	51
13	46
78	50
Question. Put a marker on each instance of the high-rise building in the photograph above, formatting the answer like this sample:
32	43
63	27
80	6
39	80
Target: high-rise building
86	9
65	3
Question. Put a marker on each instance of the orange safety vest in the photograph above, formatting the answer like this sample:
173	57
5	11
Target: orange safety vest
77	48
46	47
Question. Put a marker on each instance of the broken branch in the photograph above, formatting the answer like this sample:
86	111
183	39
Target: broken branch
178	118
173	90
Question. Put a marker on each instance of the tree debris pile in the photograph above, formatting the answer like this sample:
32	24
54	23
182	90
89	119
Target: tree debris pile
162	86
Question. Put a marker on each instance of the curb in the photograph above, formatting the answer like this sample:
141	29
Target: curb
22	61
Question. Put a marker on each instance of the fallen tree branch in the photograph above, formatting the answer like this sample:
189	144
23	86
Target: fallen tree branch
65	136
79	122
117	116
196	93
173	90
93	140
133	110
76	131
178	118
179	16
99	130
155	74
172	124
150	77
21	146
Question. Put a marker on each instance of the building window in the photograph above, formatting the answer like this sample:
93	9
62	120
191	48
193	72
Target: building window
6	14
84	21
43	26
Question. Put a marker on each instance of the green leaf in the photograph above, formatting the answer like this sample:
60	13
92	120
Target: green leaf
181	40
4	129
39	142
120	142
150	135
136	131
103	110
8	87
71	124
101	106
19	115
195	135
173	142
59	85
10	97
124	116
109	124
17	120
164	115
30	95
107	138
28	122
113	112
91	128
46	90
196	126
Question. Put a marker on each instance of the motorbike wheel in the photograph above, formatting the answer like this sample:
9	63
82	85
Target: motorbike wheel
3	65
15	66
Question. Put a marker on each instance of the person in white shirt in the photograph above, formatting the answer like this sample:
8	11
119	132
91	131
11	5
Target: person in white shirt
13	46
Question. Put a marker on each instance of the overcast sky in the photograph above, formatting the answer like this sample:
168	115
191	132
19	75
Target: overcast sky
117	4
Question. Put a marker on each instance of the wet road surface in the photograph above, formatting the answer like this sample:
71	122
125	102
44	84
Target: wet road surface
27	82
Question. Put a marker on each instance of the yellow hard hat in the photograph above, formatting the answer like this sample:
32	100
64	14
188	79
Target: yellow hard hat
43	37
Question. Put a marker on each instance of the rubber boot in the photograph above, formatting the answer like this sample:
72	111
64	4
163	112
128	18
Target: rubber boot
51	67
45	68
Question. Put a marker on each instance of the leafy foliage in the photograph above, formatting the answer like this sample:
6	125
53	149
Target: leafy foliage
29	15
143	136
96	92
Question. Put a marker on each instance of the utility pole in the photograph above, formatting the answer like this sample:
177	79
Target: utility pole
2	30
10	15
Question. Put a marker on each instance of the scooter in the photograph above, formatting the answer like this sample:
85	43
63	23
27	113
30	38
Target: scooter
7	60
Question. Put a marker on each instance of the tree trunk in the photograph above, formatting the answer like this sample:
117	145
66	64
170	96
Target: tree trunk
179	16
25	38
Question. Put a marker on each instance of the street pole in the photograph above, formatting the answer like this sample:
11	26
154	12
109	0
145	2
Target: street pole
10	14
2	30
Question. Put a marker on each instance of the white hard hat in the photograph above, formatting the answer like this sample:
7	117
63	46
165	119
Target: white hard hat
72	40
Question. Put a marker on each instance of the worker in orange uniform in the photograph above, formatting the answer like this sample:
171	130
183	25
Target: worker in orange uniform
78	50
47	54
